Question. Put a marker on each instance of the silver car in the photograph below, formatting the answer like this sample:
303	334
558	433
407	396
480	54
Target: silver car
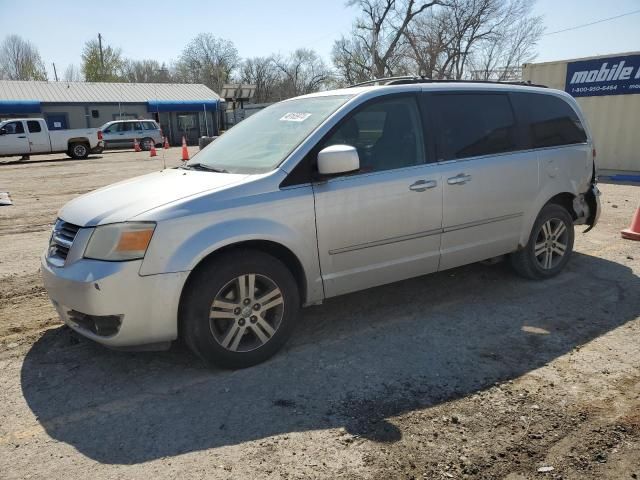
122	133
319	196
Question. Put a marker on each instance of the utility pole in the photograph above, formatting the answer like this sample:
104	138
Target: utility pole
101	57
55	74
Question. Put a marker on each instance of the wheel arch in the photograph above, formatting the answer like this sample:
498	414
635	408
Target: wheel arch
269	247
74	140
564	199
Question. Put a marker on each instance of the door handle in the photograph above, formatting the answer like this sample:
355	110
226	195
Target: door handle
22	136
459	179
422	185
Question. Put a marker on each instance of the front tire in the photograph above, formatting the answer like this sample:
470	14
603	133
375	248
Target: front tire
549	247
239	309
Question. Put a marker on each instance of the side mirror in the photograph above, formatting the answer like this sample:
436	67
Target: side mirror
338	159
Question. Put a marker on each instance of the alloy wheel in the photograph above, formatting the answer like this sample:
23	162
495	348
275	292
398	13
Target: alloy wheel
80	150
551	243
246	312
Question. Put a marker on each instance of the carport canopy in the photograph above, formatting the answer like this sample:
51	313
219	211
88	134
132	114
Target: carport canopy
182	105
20	106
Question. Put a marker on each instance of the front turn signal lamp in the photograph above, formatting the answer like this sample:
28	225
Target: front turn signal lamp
120	241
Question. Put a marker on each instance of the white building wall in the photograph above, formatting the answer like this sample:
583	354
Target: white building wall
614	119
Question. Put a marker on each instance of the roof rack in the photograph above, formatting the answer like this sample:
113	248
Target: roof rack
384	81
408	80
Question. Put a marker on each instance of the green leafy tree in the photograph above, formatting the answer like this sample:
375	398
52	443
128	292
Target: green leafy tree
109	68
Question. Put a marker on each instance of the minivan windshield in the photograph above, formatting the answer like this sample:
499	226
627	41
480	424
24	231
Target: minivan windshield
262	141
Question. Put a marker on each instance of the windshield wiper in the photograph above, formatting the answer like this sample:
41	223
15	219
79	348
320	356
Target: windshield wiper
200	166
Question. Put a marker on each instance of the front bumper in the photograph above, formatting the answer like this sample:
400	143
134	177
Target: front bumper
146	305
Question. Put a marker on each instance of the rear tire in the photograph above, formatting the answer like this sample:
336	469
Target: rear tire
78	151
239	309
549	247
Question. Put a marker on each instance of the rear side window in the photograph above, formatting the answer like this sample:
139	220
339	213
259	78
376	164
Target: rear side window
149	126
124	127
33	126
552	121
473	124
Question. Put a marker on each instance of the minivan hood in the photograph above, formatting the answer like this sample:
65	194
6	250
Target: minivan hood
124	200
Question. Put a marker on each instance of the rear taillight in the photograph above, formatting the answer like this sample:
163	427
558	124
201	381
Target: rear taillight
99	135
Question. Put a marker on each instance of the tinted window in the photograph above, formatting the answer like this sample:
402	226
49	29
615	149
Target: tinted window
149	126
552	120
124	127
387	135
33	126
136	126
13	128
474	124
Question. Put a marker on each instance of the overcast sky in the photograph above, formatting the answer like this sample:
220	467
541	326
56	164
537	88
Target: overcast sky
160	29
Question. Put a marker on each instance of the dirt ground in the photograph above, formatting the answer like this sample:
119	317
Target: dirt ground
469	373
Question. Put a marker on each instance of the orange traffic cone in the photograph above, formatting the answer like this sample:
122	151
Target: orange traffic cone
136	145
185	152
165	144
633	232
152	150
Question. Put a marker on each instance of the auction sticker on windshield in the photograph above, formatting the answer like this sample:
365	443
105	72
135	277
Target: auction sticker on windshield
295	117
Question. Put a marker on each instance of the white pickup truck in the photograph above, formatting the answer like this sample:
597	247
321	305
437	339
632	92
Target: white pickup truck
31	136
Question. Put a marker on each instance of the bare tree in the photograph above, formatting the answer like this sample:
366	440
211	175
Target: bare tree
208	60
429	41
72	74
502	56
303	71
351	61
20	60
469	37
378	33
263	73
146	71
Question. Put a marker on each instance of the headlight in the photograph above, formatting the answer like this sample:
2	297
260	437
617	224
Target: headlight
120	241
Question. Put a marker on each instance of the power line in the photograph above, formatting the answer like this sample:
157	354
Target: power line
592	23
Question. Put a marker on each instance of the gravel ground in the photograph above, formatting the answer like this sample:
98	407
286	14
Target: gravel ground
468	373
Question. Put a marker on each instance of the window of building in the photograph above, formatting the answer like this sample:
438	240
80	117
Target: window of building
474	124
95	114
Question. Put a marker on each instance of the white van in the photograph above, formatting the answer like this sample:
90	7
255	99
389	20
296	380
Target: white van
319	196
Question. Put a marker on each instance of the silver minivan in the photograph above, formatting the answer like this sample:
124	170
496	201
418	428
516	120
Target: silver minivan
122	133
319	196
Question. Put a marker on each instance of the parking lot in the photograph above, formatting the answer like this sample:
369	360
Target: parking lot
467	373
